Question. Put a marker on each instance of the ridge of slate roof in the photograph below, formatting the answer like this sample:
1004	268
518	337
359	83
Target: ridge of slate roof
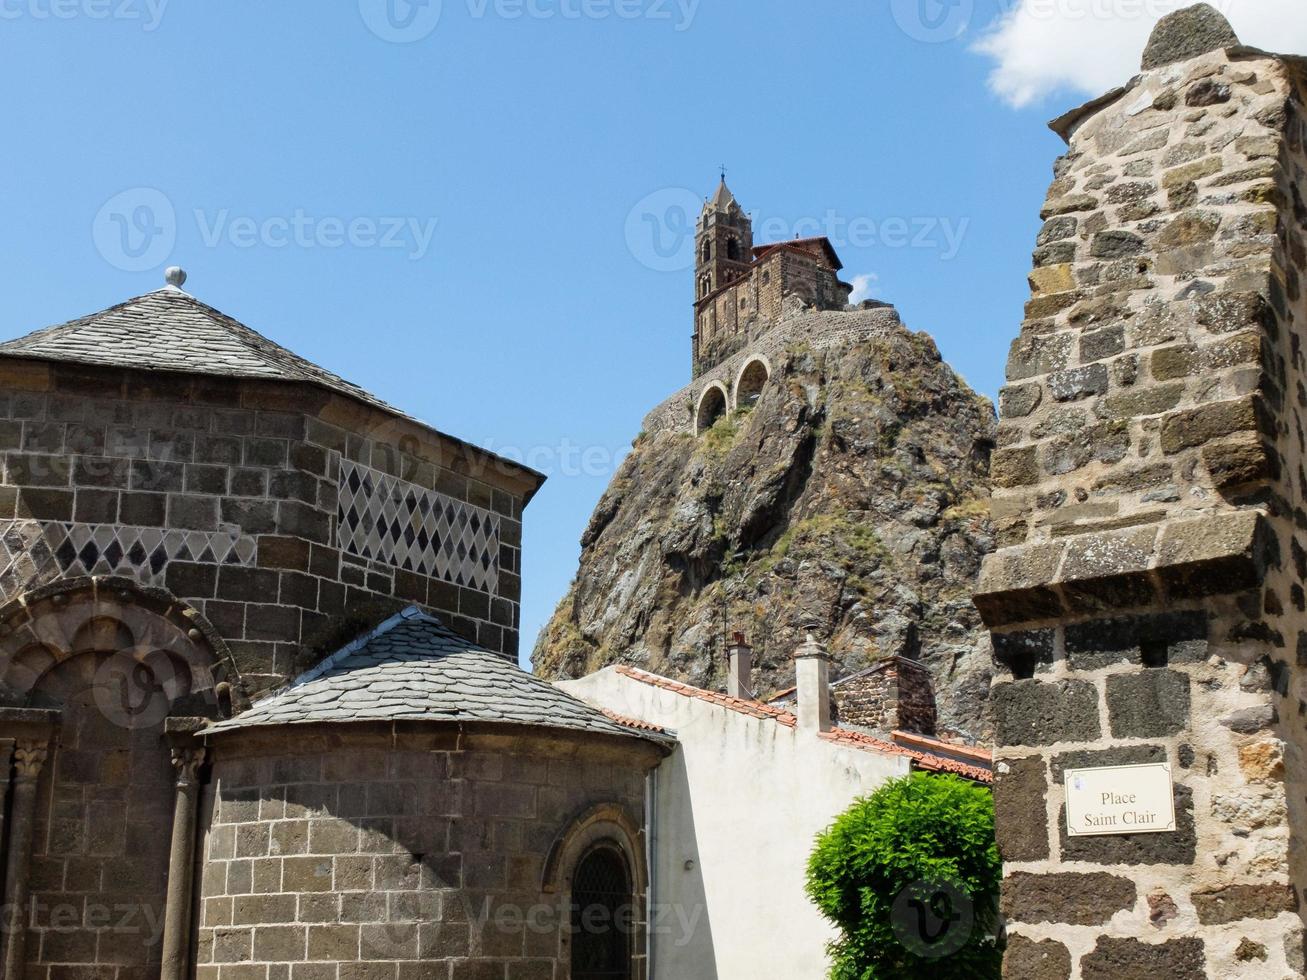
414	668
170	330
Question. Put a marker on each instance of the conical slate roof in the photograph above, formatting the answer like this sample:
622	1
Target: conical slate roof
171	330
414	668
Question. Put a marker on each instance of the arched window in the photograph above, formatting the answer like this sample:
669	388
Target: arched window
603	916
733	250
707	251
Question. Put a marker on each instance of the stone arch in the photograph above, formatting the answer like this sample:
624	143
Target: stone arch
750	380
605	824
115	660
79	633
605	827
713	403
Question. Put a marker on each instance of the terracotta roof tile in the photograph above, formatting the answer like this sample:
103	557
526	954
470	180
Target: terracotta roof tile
981	754
928	761
636	723
755	709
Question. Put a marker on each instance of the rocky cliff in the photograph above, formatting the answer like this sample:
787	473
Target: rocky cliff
851	498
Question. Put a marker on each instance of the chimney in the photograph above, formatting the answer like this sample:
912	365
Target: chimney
812	673
739	673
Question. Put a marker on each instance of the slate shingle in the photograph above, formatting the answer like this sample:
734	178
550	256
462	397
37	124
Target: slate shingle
170	330
414	668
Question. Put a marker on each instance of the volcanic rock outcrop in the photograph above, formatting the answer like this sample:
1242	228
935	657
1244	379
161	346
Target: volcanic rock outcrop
850	500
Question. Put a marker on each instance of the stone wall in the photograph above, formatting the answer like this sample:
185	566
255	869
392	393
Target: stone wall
402	855
894	694
738	315
1148	603
822	330
256	503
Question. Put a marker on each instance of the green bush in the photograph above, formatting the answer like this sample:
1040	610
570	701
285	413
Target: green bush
910	876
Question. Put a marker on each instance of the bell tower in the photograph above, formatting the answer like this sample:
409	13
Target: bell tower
723	242
723	253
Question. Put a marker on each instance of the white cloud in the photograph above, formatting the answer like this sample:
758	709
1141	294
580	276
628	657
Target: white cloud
1090	46
864	287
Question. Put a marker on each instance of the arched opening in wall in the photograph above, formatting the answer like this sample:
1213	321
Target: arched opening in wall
115	663
706	253
712	406
733	250
597	862
748	387
603	915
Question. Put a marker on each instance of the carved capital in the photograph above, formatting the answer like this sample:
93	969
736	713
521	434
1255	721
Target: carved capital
187	762
29	757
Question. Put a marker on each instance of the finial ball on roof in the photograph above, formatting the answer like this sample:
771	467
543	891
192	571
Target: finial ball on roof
175	275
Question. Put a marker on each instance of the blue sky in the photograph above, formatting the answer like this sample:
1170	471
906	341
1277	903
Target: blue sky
444	209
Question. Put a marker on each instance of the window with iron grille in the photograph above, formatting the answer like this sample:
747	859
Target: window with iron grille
601	917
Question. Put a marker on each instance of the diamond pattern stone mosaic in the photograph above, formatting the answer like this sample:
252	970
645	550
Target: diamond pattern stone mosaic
386	519
28	549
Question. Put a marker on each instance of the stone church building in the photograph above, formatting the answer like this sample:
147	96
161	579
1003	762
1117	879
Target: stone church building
192	516
741	289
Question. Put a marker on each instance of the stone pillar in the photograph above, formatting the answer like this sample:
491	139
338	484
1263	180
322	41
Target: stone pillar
187	758
6	763
29	758
1147	601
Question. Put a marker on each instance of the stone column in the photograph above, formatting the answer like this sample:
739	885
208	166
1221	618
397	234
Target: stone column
1147	601
181	864
6	762
29	758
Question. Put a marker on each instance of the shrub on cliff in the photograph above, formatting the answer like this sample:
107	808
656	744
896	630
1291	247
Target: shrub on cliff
910	876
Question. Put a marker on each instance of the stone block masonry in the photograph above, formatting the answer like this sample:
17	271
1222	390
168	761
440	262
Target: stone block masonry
797	327
1147	599
291	518
407	854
